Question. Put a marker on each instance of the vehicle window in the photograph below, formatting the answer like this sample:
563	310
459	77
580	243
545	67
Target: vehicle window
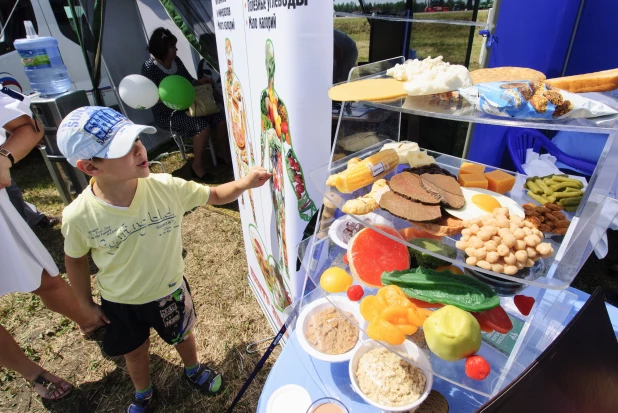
15	27
64	18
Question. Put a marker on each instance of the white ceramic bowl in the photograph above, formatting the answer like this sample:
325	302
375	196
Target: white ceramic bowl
414	353
343	304
336	229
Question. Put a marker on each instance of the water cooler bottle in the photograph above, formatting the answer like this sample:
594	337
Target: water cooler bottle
50	110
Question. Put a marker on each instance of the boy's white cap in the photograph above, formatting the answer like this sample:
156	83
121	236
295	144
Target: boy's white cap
95	131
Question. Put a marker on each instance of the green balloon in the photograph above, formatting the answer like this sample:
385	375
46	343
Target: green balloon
176	92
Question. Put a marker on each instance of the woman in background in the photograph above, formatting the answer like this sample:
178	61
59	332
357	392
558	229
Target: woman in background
164	62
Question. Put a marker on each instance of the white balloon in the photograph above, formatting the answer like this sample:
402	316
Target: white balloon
138	92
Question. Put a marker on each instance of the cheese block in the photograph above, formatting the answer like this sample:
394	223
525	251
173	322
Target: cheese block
499	181
368	89
471	168
419	158
402	149
473	180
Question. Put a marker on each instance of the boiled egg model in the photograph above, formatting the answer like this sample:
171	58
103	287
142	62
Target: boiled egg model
482	201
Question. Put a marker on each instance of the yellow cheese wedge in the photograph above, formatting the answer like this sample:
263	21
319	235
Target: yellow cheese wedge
368	89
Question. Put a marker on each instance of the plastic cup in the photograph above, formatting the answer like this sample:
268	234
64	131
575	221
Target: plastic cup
320	406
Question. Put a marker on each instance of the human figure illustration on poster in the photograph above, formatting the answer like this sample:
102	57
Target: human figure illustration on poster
276	147
278	288
237	116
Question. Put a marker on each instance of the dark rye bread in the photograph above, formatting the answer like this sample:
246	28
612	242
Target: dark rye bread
446	188
409	186
432	168
409	210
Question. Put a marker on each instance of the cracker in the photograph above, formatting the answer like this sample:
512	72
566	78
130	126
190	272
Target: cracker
505	74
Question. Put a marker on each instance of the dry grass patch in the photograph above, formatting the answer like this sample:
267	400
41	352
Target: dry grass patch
229	318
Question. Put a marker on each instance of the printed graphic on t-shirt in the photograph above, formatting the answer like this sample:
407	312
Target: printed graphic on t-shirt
112	238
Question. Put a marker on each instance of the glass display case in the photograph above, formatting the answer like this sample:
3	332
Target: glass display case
365	134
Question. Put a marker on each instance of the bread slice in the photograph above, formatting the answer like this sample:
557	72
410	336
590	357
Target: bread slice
590	82
446	226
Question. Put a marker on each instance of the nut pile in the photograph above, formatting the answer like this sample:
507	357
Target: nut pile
501	243
547	218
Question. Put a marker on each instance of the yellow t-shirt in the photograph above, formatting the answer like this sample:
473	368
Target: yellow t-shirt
138	250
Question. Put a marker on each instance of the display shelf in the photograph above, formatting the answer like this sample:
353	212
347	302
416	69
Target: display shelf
555	272
413	20
461	110
319	253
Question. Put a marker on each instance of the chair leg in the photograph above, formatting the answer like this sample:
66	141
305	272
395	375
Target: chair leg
181	145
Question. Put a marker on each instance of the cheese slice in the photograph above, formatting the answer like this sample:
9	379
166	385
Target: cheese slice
368	89
419	158
402	148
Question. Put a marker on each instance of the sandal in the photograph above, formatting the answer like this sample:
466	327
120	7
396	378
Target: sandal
142	405
206	380
52	389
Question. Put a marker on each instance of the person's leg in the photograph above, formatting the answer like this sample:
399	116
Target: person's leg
188	351
58	296
14	359
138	366
222	142
31	217
200	142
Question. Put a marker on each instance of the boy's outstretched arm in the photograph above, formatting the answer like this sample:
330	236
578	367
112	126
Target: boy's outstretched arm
230	191
78	271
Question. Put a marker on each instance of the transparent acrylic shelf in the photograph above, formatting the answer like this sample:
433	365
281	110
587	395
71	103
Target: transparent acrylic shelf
463	111
413	20
319	253
555	272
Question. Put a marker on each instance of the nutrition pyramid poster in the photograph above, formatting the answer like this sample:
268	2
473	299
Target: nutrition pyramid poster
276	60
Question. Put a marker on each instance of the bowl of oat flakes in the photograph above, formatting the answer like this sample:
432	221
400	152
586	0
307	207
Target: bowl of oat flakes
387	381
330	333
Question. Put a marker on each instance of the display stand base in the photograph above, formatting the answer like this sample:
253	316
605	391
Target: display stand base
273	323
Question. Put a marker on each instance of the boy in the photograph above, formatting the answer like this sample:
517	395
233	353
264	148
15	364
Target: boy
131	222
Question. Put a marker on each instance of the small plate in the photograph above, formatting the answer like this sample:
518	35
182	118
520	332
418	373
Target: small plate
290	398
471	211
336	229
342	303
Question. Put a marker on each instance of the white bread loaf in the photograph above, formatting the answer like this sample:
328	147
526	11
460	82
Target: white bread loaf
589	82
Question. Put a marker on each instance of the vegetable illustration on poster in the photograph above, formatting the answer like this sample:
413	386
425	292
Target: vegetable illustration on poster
237	125
279	59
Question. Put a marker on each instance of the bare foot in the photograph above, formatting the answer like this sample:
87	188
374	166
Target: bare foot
50	387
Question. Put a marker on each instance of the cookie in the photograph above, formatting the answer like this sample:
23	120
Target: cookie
563	109
434	403
516	97
554	97
539	103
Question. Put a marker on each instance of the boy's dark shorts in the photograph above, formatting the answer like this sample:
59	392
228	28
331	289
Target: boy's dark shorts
173	317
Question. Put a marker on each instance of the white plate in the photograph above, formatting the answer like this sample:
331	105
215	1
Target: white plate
336	229
290	398
471	211
343	304
413	352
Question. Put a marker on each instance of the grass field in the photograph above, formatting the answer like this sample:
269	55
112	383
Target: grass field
229	318
427	39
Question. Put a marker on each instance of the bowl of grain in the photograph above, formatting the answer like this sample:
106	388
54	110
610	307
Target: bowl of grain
327	328
387	381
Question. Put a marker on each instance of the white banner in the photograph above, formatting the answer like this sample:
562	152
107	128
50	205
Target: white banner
276	60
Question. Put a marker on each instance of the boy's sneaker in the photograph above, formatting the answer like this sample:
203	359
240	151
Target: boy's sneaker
139	405
206	380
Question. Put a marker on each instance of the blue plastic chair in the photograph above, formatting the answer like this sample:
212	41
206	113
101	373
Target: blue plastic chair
519	140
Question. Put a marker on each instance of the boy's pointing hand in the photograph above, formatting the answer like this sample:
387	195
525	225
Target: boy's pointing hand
257	177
